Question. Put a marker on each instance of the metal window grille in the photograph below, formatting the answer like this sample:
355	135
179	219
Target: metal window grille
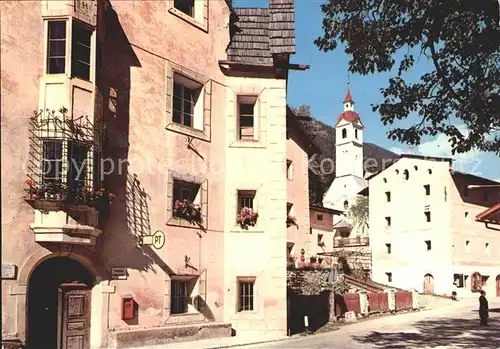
80	51
246	121
245	200
56	50
64	150
179	297
183	105
52	161
246	296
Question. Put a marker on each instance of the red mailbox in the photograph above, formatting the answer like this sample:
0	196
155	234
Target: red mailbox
128	308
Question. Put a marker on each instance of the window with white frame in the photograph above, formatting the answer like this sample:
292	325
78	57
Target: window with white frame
247	118
80	48
185	192
194	12
187	104
181	294
246	199
52	162
66	162
56	47
185	6
81	51
246	294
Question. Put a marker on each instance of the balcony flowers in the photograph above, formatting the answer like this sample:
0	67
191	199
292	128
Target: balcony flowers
188	211
47	191
98	197
247	218
291	220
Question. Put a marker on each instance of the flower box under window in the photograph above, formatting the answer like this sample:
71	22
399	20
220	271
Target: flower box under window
186	201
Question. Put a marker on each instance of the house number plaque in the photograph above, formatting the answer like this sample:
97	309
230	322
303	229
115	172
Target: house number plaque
85	10
9	271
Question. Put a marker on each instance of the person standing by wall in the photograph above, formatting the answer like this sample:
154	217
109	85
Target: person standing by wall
483	308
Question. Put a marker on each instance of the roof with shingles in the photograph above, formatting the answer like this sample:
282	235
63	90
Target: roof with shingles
262	32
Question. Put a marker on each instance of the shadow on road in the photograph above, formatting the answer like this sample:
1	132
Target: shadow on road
453	332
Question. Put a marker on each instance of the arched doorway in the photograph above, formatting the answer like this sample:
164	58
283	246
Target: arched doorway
59	305
476	282
498	285
429	284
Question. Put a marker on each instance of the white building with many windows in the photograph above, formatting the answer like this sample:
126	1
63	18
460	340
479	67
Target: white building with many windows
423	229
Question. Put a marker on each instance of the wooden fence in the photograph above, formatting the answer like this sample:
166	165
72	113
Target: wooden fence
404	300
378	302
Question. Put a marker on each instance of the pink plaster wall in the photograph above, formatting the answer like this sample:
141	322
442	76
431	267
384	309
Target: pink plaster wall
21	57
298	191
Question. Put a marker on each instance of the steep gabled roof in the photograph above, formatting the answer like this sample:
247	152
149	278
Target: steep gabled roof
491	215
260	33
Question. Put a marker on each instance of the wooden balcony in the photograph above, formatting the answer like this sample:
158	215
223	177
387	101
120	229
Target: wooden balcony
351	242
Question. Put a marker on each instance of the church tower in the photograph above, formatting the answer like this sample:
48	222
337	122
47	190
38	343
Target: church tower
349	141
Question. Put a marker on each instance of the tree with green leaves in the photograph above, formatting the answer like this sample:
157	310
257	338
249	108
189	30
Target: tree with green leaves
359	212
460	39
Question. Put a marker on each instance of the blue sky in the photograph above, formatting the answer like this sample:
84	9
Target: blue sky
324	85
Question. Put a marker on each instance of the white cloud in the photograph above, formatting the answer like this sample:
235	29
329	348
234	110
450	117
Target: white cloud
440	147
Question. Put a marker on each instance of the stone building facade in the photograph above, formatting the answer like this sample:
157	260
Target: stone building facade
121	225
423	230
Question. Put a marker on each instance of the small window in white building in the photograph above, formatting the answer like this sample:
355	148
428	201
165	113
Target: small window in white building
289	169
427	216
246	118
430	171
387	222
487	248
388	246
415	168
459	280
397	172
388	196
389	277
427	189
344	133
406	175
428	244
385	180
356	134
484	280
246	293
320	240
346	205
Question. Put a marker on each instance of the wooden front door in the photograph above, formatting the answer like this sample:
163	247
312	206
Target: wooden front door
428	284
74	316
498	285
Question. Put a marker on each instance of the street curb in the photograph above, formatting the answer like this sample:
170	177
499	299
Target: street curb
252	343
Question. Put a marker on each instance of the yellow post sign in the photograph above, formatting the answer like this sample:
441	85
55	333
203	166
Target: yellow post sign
157	239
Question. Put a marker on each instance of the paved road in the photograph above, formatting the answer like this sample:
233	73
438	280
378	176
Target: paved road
449	328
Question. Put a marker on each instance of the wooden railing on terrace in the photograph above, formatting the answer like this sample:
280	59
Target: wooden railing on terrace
348	242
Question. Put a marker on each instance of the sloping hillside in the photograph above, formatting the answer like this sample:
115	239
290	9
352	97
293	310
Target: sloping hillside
375	158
